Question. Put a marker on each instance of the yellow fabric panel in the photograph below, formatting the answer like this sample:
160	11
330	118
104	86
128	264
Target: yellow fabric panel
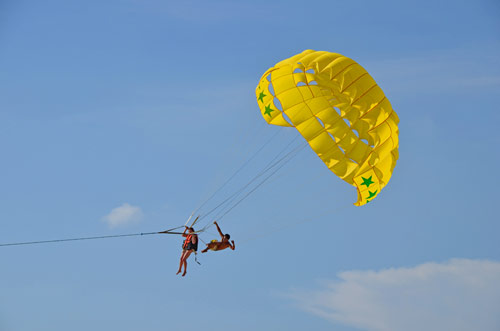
339	129
381	133
385	148
385	167
298	113
299	77
348	141
342	113
368	99
290	98
351	115
394	129
368	187
328	117
278	72
306	92
333	157
318	105
339	65
283	84
279	120
310	129
322	141
366	165
266	97
316	91
359	152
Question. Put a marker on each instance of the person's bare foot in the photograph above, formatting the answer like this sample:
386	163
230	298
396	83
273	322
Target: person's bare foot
184	274
178	272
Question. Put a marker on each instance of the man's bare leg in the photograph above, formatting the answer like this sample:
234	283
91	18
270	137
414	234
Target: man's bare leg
211	245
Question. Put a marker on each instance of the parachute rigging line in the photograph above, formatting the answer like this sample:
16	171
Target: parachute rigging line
284	160
245	163
265	179
170	231
268	167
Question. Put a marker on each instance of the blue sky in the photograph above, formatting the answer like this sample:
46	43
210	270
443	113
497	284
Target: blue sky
122	116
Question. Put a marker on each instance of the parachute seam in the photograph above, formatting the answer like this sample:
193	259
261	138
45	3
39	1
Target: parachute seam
336	146
373	150
354	81
382	122
390	128
294	87
373	166
307	106
378	178
351	147
334	62
362	95
381	183
303	100
341	71
369	110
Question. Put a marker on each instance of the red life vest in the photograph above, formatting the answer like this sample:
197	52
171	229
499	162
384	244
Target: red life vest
187	241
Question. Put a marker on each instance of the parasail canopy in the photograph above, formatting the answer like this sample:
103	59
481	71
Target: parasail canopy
342	113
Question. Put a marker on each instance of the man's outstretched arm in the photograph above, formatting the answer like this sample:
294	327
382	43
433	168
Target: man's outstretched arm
218	229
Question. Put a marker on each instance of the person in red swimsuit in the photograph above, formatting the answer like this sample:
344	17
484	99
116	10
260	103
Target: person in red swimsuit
189	246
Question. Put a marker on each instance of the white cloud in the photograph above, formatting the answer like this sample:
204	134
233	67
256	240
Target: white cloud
123	215
461	294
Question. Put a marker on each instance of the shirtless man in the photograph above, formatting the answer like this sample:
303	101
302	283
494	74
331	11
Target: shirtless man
190	245
222	244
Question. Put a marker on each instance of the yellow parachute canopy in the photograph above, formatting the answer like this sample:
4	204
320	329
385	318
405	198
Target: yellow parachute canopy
341	112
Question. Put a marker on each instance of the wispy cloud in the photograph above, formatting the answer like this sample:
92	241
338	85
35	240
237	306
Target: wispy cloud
461	294
123	215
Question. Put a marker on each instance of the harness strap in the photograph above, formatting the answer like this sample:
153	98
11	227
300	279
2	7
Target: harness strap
196	259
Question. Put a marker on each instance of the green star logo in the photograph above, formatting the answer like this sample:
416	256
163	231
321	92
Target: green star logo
367	181
372	194
268	110
261	96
